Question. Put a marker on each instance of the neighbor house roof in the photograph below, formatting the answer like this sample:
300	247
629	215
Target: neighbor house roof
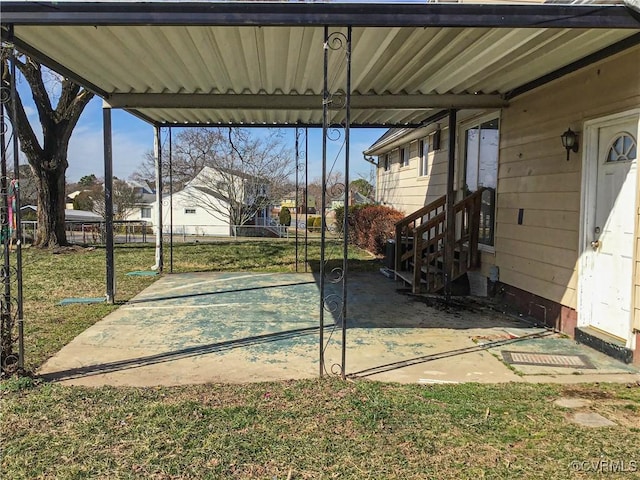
259	63
81	216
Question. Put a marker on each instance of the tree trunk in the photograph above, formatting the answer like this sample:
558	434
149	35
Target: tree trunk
49	160
51	206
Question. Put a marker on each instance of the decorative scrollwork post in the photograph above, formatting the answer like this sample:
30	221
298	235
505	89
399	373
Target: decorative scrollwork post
11	309
336	118
301	152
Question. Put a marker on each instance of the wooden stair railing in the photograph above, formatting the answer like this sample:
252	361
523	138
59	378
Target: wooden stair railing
420	241
406	226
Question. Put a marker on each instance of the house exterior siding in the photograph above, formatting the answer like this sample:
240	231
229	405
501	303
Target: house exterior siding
403	188
539	194
541	255
200	221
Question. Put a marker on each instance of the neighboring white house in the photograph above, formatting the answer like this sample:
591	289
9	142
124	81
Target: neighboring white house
189	215
198	209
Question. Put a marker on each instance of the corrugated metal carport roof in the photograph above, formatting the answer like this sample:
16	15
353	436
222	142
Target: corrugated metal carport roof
262	63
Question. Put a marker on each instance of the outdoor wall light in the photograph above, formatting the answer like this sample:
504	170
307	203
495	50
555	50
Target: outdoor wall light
570	141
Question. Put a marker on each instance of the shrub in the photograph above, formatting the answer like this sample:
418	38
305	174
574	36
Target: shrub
317	224
285	217
370	226
310	221
340	215
339	218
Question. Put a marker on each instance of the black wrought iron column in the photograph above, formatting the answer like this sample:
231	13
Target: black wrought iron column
11	311
170	203
297	146
450	236
306	199
301	152
17	214
108	201
158	158
335	128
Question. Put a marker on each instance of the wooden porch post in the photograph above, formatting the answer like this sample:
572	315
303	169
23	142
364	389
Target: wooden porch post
450	236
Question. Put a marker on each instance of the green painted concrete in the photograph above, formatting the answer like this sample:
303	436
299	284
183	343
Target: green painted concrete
86	300
243	327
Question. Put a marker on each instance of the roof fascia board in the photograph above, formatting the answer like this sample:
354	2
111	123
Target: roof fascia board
606	52
319	14
302	102
408	135
383	146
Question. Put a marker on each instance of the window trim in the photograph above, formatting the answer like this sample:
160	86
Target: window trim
621	136
405	156
461	142
423	157
386	162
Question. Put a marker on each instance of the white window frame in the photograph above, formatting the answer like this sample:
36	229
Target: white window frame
423	157
386	162
462	148
405	156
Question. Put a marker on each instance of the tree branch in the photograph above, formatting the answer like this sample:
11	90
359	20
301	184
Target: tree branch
28	140
32	72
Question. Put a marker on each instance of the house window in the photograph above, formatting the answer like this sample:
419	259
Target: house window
622	149
145	212
481	171
423	157
189	211
404	155
386	162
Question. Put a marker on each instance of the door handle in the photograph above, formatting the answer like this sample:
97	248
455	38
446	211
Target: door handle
595	244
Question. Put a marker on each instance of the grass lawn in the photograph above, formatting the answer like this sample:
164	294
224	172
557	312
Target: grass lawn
315	429
311	429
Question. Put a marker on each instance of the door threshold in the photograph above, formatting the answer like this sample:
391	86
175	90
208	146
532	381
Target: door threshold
604	342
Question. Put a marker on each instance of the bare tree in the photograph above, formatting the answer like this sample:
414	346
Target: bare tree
334	189
363	187
232	173
192	150
124	197
49	160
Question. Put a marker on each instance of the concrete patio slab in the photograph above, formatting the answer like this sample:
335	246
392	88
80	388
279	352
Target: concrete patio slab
245	327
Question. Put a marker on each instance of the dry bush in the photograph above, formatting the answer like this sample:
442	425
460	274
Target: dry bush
370	226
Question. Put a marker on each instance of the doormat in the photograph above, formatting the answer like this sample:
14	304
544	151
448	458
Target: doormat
547	359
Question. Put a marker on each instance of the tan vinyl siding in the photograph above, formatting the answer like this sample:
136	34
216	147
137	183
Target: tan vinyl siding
541	255
402	188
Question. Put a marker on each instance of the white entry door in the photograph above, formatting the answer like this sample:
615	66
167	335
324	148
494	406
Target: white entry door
610	234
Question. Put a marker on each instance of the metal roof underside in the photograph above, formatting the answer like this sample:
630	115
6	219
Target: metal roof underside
262	64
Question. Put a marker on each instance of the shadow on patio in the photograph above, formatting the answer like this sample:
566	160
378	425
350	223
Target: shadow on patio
243	327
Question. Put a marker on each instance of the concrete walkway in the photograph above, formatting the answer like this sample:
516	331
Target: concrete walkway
246	327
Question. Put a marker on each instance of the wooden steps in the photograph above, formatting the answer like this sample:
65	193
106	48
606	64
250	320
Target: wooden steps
420	244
